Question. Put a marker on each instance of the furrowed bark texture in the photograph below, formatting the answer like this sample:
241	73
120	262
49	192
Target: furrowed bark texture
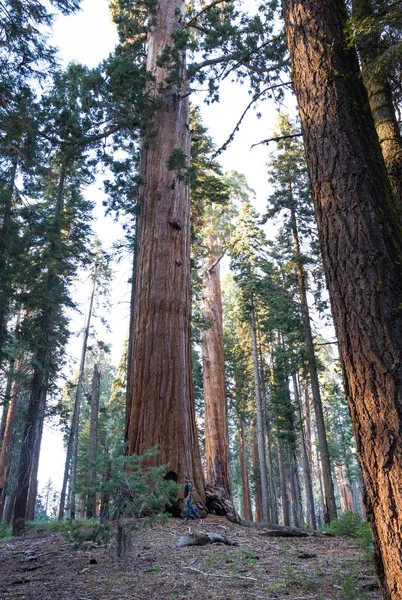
216	438
361	237
161	409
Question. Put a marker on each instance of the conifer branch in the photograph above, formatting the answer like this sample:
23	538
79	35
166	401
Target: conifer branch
240	57
84	140
276	139
204	10
256	97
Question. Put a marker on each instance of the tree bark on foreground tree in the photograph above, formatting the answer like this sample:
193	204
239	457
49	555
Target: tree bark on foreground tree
160	400
361	237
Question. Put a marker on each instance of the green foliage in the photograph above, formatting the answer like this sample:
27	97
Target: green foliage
350	524
5	532
84	533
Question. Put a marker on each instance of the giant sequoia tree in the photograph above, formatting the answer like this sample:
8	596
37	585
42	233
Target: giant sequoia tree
160	407
161	410
361	237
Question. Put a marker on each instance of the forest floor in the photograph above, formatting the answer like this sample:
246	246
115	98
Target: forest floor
44	566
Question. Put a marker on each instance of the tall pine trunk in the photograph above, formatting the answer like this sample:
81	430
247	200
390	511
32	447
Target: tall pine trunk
283	483
256	473
93	443
70	466
361	237
248	514
161	408
260	417
329	494
308	484
216	436
33	479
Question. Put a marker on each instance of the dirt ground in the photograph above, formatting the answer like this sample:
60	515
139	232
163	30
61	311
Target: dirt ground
45	567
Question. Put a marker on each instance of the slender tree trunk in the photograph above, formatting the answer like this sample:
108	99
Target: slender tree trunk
345	491
104	512
256	474
361	237
216	437
29	440
93	444
308	484
260	417
380	98
33	479
161	409
282	480
72	446
298	504
6	402
273	513
329	494
248	514
8	438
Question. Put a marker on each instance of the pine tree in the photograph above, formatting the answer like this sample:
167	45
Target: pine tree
360	234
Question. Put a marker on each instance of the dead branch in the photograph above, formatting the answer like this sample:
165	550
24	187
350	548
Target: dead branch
276	139
256	97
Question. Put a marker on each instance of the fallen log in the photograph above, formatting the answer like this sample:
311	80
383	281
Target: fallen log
281	533
274	530
202	539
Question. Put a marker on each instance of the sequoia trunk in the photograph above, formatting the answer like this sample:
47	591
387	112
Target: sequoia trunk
160	399
361	237
216	438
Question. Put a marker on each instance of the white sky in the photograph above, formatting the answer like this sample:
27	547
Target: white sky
88	37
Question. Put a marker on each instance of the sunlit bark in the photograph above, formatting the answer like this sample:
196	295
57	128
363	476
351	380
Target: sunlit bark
216	437
161	409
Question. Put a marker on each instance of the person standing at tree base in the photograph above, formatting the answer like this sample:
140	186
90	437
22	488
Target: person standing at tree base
188	497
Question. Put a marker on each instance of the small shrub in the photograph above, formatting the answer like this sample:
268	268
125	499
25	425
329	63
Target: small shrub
5	532
348	525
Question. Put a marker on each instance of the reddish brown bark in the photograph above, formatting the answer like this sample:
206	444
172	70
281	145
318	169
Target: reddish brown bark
216	437
161	409
345	490
361	237
8	440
